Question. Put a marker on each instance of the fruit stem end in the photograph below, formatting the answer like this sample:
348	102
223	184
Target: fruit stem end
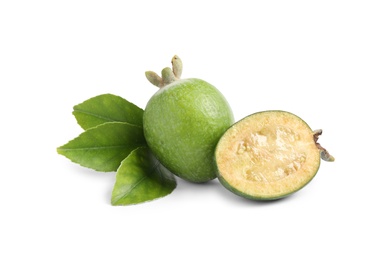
325	155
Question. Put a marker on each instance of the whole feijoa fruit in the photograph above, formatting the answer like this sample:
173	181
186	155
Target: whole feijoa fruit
183	122
268	155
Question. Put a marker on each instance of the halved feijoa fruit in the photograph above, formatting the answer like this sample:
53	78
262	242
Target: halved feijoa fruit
268	155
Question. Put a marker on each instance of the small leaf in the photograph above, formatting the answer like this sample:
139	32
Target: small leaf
104	147
141	178
107	108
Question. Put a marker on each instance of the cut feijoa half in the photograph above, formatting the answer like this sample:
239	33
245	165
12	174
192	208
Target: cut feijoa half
269	155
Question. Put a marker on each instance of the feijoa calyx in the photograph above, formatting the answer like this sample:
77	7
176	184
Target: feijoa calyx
269	155
183	121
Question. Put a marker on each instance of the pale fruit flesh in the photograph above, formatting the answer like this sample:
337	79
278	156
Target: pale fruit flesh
267	155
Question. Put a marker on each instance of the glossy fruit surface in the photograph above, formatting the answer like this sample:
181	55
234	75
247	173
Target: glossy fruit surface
183	122
268	155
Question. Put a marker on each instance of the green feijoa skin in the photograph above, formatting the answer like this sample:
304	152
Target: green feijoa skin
269	155
183	122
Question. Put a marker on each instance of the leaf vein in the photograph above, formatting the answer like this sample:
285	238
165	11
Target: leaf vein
130	189
95	115
97	147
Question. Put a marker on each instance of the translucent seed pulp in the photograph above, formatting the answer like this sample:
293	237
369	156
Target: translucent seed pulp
272	154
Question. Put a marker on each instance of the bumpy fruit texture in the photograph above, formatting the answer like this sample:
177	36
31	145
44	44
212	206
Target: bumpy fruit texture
268	155
183	122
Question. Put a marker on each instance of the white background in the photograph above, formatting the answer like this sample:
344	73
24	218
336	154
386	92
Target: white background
326	61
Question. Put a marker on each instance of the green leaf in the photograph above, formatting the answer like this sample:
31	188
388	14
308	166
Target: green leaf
141	178
107	108
104	147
